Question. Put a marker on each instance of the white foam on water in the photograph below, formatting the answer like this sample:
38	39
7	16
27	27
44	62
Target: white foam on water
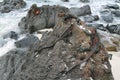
1	0
7	47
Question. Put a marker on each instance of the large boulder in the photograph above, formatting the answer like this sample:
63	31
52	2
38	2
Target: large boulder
46	16
114	28
118	1
85	10
116	13
27	41
65	0
107	16
68	52
110	41
111	6
9	5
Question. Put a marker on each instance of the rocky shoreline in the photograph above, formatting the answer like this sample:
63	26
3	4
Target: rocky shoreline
71	42
69	49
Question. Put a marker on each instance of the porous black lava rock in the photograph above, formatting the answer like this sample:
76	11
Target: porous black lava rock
97	26
114	28
10	5
58	56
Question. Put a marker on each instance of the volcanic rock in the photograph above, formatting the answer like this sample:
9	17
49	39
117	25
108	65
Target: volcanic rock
70	51
114	28
40	18
85	10
84	0
10	5
107	16
46	16
26	41
12	35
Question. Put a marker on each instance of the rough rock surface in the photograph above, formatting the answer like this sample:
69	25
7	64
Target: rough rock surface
111	6
97	26
107	16
40	18
114	28
46	16
68	52
85	10
12	35
9	5
26	41
91	18
116	13
110	41
84	0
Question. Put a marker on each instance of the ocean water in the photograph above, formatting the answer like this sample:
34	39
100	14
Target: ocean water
9	21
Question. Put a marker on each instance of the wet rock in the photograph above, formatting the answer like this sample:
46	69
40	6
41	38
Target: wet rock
58	56
97	26
116	13
85	10
112	6
40	18
46	16
118	1
91	18
9	5
107	16
26	41
115	28
10	62
110	41
84	0
12	35
116	41
65	0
